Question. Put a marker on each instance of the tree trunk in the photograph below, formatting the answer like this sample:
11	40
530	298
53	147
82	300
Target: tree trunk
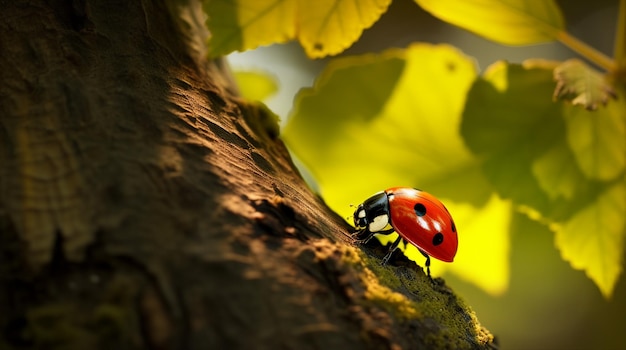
144	205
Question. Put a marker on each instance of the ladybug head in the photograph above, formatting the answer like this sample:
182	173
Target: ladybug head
373	214
360	218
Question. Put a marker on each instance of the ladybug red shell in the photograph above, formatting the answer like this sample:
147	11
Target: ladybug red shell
418	217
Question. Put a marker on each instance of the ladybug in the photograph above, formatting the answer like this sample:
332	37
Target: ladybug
418	217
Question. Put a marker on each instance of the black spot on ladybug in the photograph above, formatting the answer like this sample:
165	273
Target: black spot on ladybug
453	226
420	209
438	238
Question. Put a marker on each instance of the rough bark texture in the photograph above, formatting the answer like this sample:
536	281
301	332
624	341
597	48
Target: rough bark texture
143	205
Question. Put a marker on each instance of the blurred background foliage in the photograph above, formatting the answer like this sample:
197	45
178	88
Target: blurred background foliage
536	184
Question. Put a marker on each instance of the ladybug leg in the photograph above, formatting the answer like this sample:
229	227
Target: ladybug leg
427	261
369	235
392	249
364	236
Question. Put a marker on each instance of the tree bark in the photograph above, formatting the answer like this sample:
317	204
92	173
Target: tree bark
144	205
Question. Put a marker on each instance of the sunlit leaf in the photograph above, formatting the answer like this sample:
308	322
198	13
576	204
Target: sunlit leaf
593	239
511	22
238	25
374	122
327	28
582	85
489	223
254	85
598	139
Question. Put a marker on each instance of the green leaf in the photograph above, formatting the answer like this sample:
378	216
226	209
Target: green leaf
557	173
238	25
341	91
510	119
598	139
373	122
582	85
327	28
511	22
256	86
593	239
556	161
330	26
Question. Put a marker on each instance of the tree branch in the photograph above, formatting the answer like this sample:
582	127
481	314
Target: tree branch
143	205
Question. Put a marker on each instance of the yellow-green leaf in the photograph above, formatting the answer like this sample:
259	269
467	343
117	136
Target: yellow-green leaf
598	139
511	22
555	160
511	120
593	239
582	85
255	85
325	28
489	223
373	122
238	25
557	172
